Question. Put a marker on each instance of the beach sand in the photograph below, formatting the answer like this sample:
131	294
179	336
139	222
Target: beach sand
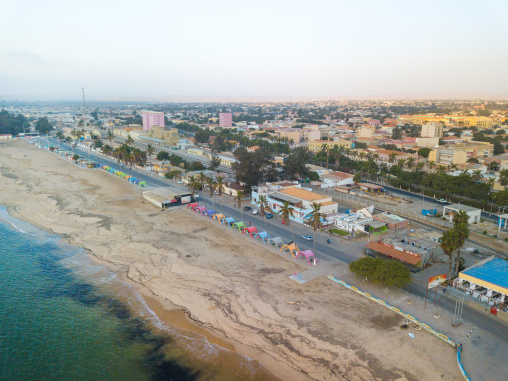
232	290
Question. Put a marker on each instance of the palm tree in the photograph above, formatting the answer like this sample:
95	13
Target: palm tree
315	220
211	187
441	170
239	198
477	175
201	179
193	185
453	167
287	211
149	152
503	177
449	243
401	163
111	135
129	140
220	190
410	162
460	225
262	205
490	182
106	150
392	157
430	164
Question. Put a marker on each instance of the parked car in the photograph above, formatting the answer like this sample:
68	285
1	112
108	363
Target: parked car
216	193
307	237
246	208
255	211
269	215
442	201
180	182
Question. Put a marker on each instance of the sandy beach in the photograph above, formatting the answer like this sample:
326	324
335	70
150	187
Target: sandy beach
232	290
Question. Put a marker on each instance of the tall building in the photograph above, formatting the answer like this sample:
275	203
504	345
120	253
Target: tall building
432	130
225	119
151	118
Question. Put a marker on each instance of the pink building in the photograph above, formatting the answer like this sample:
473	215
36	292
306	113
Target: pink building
225	119
151	118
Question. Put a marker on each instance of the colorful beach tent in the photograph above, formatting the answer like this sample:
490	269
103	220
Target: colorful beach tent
264	236
291	247
210	213
308	254
218	217
142	183
277	241
251	230
230	221
200	209
240	225
192	205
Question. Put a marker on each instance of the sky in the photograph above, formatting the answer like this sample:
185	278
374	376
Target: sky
277	49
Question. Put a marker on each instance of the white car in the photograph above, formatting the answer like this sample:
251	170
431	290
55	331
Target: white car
255	211
180	182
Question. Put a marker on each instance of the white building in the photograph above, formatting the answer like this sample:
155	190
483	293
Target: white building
474	214
337	179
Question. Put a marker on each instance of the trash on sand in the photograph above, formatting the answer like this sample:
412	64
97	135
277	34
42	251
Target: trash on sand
411	335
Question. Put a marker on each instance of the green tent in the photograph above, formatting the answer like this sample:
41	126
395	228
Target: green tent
240	225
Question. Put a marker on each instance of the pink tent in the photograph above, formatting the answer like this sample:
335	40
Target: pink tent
308	254
251	230
200	209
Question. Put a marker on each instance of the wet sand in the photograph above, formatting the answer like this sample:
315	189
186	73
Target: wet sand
232	290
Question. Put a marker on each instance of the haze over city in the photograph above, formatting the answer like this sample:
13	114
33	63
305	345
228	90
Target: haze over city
200	50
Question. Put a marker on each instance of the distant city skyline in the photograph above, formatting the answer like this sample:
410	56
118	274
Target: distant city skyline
267	50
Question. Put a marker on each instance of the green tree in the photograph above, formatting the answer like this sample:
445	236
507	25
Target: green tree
75	157
503	177
365	267
287	211
220	190
357	178
424	152
162	155
129	140
396	133
43	126
214	163
172	174
450	241
295	164
111	135
202	136
498	148
315	220
392	273
461	227
193	185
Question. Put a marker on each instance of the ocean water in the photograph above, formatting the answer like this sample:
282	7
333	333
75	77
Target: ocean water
63	317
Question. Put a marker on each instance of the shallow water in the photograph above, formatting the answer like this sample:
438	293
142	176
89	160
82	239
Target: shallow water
64	317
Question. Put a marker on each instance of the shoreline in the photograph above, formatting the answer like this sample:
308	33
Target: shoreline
193	275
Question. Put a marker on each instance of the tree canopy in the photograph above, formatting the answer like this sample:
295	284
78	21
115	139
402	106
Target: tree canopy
387	272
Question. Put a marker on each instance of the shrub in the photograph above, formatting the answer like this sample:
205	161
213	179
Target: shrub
485	232
389	273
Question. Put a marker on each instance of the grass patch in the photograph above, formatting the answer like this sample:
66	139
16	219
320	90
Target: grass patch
339	232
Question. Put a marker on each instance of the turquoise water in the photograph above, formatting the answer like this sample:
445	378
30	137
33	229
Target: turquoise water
63	317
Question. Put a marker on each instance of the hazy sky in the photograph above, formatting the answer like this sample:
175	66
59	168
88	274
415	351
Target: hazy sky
291	49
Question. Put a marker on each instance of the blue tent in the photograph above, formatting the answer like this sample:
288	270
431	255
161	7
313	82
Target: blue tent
230	221
264	236
210	213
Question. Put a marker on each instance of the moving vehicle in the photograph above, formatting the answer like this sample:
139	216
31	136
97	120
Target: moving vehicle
307	237
442	201
180	182
255	211
246	208
269	215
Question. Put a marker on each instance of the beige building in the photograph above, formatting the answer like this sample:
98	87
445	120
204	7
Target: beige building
317	145
169	137
447	156
427	142
432	130
364	132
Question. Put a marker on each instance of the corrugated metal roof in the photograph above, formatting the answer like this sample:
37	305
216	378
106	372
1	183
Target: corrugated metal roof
494	271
